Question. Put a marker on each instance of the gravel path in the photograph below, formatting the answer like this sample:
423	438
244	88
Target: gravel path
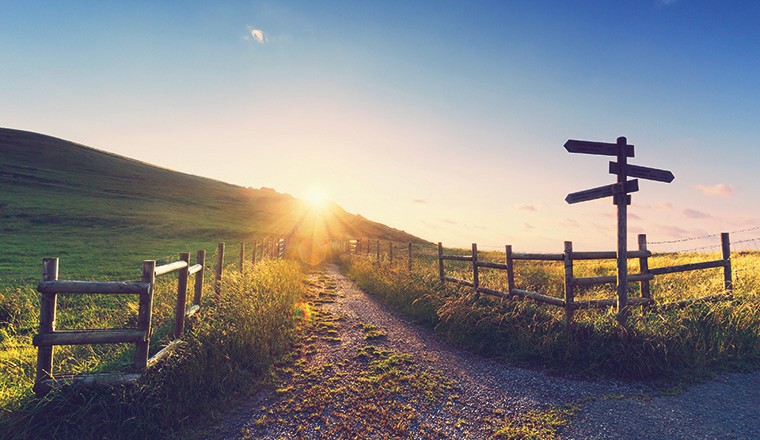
362	372
724	408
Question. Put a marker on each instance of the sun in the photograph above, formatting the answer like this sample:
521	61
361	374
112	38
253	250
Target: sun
317	197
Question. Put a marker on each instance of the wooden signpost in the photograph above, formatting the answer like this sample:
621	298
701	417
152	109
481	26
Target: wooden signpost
620	192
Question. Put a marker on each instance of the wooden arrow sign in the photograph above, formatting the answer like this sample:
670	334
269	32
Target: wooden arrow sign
602	191
643	172
589	147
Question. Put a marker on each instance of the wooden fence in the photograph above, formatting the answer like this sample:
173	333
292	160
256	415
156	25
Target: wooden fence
365	248
645	275
50	286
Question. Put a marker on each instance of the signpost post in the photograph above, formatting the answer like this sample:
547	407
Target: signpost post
620	193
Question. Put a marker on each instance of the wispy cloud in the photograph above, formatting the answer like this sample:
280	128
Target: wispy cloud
257	35
528	227
419	201
719	190
525	207
665	205
693	213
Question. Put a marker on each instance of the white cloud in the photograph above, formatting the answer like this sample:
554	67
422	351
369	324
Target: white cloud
719	190
258	35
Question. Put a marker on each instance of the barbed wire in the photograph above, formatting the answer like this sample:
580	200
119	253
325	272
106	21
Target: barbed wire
702	237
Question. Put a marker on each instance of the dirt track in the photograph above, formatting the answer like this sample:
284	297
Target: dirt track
362	372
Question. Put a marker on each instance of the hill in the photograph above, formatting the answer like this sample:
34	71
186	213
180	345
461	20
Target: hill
99	211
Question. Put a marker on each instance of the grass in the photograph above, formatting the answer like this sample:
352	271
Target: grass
668	345
227	350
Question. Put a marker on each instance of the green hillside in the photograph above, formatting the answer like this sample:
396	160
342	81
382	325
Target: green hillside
102	214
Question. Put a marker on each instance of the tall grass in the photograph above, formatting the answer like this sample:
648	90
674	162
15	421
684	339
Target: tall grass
671	345
228	348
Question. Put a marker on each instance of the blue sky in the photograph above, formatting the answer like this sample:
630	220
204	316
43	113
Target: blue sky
445	119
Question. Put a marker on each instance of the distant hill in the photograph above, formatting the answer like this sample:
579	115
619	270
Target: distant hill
63	198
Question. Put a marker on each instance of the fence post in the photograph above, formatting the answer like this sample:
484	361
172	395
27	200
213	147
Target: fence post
409	260
200	258
255	248
440	261
179	310
390	257
219	268
369	247
378	251
644	267
144	315
569	283
510	270
475	280
242	255
725	244
47	325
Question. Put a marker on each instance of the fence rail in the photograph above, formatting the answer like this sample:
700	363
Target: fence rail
645	275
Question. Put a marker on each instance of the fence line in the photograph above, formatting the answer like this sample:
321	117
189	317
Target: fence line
48	337
645	275
359	248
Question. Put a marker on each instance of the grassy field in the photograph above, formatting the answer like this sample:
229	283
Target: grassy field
228	348
657	345
102	215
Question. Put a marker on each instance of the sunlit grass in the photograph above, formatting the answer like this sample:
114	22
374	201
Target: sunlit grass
675	344
232	342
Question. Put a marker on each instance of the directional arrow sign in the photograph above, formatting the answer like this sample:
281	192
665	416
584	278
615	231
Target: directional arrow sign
602	191
589	147
643	172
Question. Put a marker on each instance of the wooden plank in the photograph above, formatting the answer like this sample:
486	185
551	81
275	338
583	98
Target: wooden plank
106	287
591	281
644	267
96	379
569	282
457	257
644	172
144	315
200	258
440	259
621	200
725	244
164	353
510	268
458	281
491	265
538	257
220	267
475	278
179	309
601	148
539	297
603	191
608	255
605	303
192	310
687	267
48	302
171	267
492	292
195	268
82	337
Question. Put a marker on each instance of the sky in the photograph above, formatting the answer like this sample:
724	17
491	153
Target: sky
443	119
